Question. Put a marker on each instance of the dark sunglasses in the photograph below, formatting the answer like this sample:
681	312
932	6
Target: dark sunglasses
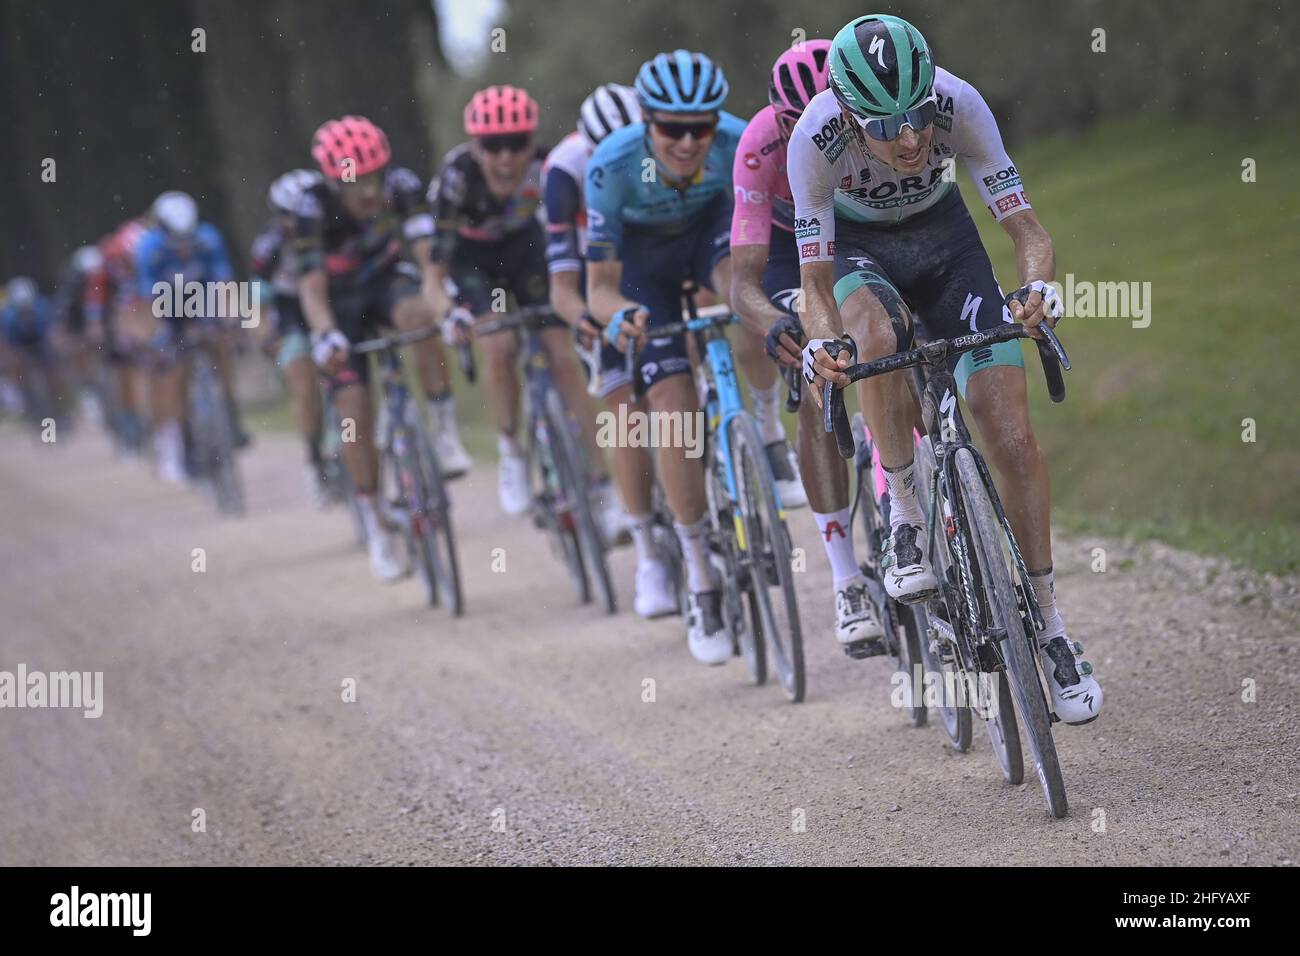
506	142
674	130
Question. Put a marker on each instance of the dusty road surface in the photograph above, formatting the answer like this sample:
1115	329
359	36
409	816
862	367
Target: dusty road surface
519	734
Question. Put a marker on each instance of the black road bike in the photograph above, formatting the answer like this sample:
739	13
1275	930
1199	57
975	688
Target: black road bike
982	628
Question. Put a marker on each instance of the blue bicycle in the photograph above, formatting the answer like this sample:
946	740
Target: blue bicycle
749	540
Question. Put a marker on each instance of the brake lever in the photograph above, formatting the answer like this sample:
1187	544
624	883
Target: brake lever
467	363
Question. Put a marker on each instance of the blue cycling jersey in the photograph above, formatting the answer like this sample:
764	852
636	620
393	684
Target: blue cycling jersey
621	192
157	261
27	326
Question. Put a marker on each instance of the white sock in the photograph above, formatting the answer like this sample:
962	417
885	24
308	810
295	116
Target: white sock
1044	585
369	514
767	412
442	411
837	537
695	549
642	540
170	440
507	447
903	503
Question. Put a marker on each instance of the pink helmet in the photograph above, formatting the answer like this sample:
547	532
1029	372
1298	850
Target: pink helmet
799	74
500	109
352	138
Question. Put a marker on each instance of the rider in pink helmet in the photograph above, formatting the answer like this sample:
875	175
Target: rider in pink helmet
500	109
765	290
352	138
799	74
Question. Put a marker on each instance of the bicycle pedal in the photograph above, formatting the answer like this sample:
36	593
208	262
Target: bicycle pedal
867	647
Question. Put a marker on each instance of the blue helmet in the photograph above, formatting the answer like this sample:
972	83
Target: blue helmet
681	82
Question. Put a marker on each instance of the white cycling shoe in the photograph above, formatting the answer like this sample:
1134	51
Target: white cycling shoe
318	495
388	559
1076	695
512	484
855	614
785	471
909	578
615	524
706	631
655	594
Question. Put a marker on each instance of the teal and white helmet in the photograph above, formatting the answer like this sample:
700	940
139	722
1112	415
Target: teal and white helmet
880	66
681	82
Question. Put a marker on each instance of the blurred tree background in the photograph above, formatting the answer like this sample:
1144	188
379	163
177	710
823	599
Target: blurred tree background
1134	158
115	94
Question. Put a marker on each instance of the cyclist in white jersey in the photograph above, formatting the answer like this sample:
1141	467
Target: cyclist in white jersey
883	234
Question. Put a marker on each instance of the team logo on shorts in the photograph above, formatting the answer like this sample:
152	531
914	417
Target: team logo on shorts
810	249
846	182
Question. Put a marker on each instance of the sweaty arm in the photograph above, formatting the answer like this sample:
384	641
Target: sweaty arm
446	195
756	180
980	144
814	202
313	283
563	198
604	244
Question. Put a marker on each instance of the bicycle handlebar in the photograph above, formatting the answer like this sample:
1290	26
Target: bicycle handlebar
694	320
1050	352
529	316
395	341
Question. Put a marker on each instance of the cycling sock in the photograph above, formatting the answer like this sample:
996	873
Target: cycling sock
642	540
1044	585
369	513
767	412
695	549
837	537
508	447
903	503
169	439
442	409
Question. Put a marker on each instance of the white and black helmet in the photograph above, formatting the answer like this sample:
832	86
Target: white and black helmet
285	192
87	259
177	213
609	108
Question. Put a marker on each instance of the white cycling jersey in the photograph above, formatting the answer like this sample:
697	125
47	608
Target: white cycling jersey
832	175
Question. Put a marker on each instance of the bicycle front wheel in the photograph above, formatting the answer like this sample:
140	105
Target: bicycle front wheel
956	717
1018	650
575	484
764	552
435	527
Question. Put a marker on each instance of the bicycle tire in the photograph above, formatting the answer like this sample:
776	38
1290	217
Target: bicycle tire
1017	651
407	472
564	532
214	433
768	555
956	719
574	475
435	528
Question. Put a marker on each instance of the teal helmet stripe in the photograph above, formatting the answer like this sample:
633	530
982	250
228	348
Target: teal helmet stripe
902	56
858	85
